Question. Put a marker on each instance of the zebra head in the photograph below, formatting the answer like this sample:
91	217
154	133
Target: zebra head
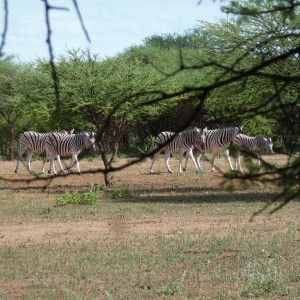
268	144
89	140
200	140
237	130
233	132
264	143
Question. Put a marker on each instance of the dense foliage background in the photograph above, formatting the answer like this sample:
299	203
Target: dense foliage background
156	86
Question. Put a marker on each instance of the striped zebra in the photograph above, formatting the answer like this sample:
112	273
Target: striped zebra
251	143
31	142
169	142
68	145
216	140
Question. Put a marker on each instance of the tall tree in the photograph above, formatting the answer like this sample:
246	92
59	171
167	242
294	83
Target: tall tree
13	85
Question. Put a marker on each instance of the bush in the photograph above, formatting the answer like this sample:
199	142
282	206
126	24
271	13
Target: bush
80	198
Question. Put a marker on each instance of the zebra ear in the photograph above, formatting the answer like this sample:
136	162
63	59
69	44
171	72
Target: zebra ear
241	128
204	129
71	131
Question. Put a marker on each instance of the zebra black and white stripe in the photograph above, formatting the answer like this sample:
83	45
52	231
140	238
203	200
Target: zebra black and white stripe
68	145
169	142
31	142
216	140
251	143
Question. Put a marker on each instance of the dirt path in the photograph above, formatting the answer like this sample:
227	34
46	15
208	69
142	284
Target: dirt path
82	231
40	233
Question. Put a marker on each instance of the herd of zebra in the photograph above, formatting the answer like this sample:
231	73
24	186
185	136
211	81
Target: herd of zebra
54	144
63	143
208	141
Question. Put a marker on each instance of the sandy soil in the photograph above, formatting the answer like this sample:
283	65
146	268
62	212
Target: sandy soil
137	178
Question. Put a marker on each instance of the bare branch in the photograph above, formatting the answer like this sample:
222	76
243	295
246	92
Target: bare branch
5	27
49	42
81	21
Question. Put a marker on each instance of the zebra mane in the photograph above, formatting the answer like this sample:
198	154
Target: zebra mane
62	131
228	126
263	136
190	128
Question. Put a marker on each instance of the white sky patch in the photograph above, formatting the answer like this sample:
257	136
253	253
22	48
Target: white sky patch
112	25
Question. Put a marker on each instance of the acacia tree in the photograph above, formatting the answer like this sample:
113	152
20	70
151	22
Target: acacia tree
101	92
14	80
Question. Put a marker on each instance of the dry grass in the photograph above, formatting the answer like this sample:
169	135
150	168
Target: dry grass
179	236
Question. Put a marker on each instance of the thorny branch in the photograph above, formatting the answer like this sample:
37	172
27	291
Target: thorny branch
5	27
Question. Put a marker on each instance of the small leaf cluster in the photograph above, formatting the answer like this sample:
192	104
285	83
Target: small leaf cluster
88	198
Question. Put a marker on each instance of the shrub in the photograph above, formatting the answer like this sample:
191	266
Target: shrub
80	198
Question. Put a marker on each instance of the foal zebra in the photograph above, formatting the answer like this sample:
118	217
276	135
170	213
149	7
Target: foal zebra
252	143
68	144
32	142
216	140
169	142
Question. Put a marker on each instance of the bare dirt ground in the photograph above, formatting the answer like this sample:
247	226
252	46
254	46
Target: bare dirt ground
135	178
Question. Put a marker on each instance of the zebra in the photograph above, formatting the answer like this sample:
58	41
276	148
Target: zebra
216	140
68	144
252	143
31	142
170	142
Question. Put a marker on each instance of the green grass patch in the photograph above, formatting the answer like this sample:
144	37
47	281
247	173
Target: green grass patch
87	198
191	265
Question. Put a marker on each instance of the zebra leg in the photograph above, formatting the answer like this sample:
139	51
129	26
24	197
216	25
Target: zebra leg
28	159
213	162
152	164
226	152
17	166
238	161
153	161
167	157
20	154
180	161
52	165
259	163
18	163
43	166
198	156
189	153
73	161
60	165
186	163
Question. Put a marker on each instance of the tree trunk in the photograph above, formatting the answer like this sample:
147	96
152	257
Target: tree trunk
117	135
10	142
